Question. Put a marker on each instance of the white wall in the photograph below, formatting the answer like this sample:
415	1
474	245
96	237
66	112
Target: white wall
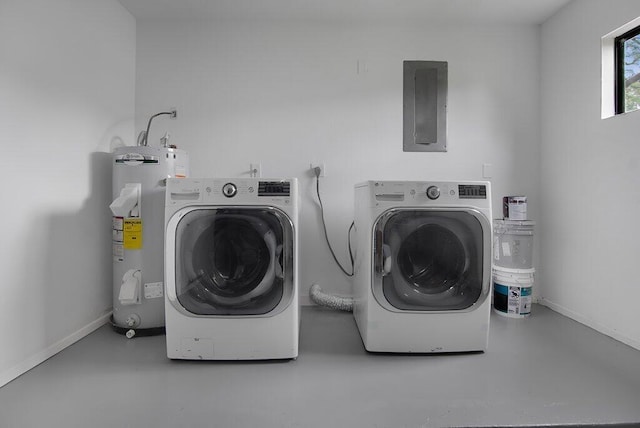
67	89
590	177
288	93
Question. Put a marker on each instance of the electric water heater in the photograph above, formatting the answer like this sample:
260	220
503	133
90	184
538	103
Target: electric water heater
139	183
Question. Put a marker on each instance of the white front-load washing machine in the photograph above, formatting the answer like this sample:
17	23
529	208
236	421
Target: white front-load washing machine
231	254
423	266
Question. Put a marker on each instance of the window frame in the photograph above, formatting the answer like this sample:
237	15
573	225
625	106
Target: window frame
619	90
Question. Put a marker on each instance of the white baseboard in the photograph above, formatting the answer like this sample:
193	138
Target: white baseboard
590	323
19	369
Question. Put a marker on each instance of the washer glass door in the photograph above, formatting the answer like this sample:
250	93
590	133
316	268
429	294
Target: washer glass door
431	260
234	261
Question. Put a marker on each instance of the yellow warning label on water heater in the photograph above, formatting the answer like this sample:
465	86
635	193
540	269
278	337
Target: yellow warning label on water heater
132	233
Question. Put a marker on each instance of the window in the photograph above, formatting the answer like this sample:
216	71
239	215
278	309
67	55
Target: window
627	71
620	68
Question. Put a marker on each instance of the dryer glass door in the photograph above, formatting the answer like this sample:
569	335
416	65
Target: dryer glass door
431	260
234	261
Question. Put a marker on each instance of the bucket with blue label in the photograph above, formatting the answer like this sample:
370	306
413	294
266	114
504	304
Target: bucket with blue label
512	291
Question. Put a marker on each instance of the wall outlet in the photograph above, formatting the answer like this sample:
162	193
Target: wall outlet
174	113
362	67
255	169
320	165
487	170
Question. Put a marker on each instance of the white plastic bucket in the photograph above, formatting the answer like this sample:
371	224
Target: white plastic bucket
512	291
513	244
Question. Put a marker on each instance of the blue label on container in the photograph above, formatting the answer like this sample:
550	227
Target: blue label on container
501	289
512	299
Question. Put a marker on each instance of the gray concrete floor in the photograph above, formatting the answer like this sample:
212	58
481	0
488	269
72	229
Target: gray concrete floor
544	370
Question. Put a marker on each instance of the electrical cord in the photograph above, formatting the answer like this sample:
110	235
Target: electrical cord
326	235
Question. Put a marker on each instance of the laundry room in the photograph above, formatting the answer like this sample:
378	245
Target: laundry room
266	91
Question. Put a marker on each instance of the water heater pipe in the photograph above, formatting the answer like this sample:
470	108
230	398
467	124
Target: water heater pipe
145	139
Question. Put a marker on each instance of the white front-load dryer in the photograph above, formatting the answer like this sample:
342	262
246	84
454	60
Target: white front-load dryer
423	266
231	254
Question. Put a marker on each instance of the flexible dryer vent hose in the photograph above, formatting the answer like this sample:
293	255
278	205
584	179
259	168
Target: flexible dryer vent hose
321	298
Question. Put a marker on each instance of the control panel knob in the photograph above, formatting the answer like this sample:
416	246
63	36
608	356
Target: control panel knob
433	192
229	190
